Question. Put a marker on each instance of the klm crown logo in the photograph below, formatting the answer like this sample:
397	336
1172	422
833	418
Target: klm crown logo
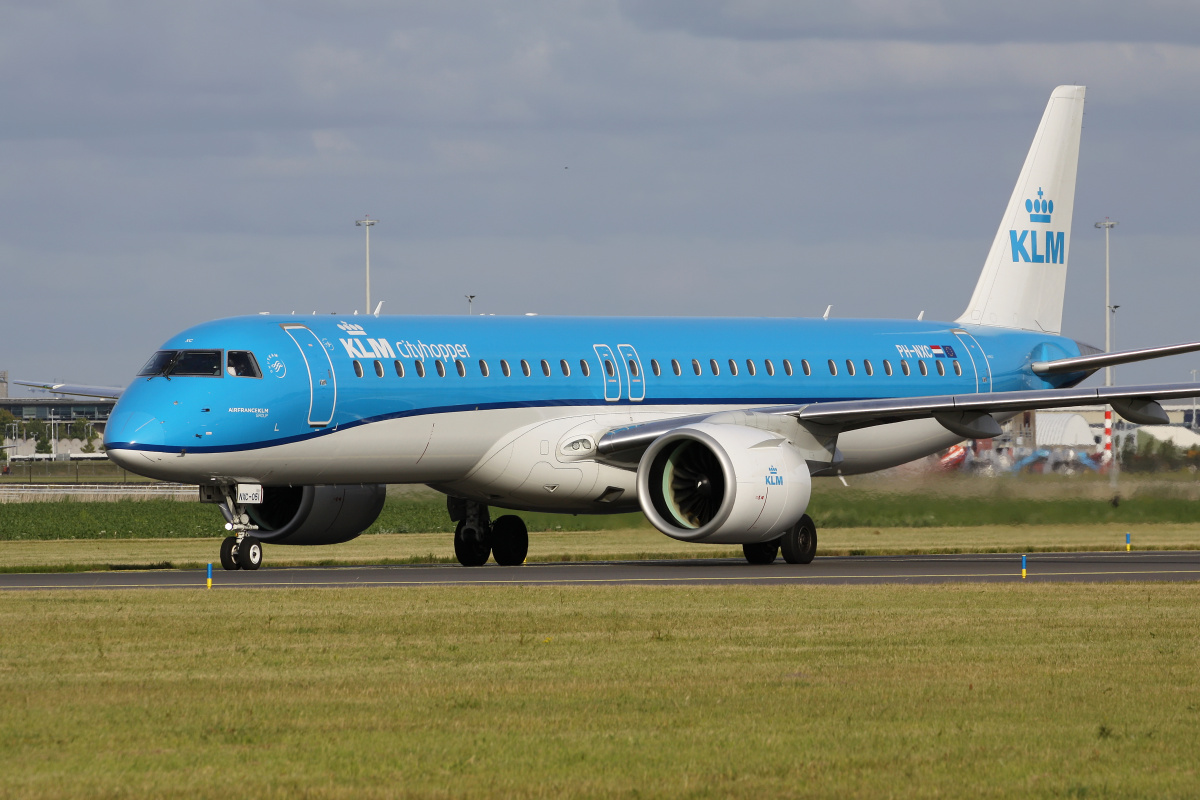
773	477
1025	243
1040	209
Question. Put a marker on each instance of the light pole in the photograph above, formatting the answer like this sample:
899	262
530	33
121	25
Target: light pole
470	304
367	223
1109	310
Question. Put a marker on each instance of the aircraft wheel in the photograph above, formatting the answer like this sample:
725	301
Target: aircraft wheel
799	544
761	552
510	541
228	559
470	546
250	553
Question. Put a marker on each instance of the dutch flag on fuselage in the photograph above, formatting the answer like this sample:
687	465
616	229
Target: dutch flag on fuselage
942	352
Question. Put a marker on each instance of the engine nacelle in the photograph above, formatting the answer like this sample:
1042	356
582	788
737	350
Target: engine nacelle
316	514
728	484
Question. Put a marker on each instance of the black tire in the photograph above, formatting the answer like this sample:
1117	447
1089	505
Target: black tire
250	553
761	552
510	541
799	544
471	547
228	559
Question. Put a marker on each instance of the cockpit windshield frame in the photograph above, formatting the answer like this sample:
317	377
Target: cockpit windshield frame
184	363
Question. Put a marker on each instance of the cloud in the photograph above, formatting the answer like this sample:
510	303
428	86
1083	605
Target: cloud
1040	21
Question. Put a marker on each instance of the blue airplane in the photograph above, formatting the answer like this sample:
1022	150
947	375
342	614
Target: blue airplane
714	428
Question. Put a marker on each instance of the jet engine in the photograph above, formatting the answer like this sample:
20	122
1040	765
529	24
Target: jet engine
727	484
315	514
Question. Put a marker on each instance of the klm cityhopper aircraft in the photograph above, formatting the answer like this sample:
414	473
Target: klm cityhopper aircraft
713	427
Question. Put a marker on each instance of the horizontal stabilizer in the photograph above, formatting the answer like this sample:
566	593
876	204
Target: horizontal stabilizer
80	390
1092	363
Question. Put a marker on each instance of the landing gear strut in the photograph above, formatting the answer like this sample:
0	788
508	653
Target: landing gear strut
476	536
238	551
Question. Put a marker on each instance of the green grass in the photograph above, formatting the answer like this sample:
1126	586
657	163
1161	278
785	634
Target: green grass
931	503
999	691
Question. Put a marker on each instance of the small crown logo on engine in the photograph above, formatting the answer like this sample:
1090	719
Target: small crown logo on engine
1039	209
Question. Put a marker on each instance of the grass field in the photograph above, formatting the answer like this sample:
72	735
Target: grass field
999	691
936	503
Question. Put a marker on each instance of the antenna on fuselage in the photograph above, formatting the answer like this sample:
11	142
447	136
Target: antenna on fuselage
376	313
828	308
921	316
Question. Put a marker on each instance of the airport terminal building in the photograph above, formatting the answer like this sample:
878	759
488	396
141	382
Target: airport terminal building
58	414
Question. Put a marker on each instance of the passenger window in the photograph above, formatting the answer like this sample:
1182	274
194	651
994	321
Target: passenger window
655	368
849	367
732	367
462	368
904	367
804	365
420	367
546	368
566	368
957	368
483	368
608	367
633	370
941	368
242	364
716	369
750	366
525	368
887	367
505	368
867	366
399	368
924	369
696	366
787	367
832	367
358	368
675	367
585	368
379	368
441	368
770	367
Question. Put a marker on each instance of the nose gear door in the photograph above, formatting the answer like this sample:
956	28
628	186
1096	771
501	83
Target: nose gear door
322	387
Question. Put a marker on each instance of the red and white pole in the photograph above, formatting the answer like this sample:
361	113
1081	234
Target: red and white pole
1108	453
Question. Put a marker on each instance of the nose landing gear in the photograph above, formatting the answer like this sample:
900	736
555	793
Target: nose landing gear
239	551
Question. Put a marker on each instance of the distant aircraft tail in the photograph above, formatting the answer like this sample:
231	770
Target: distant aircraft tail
1025	275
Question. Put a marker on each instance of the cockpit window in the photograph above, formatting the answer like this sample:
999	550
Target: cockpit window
190	363
243	364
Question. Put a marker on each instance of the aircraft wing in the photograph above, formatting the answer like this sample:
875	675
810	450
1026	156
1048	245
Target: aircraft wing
1095	361
106	392
969	415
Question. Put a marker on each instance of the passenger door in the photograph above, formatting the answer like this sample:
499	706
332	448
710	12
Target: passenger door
976	358
322	386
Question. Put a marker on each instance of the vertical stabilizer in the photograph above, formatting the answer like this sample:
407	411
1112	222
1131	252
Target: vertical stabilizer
1025	275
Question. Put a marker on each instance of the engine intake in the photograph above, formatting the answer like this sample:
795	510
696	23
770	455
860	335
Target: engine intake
309	515
723	483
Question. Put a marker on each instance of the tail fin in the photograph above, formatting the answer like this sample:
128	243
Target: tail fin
1025	275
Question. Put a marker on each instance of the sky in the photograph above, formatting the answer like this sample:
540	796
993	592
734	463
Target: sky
163	164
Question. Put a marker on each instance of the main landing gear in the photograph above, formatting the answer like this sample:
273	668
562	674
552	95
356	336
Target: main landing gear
477	536
239	551
799	545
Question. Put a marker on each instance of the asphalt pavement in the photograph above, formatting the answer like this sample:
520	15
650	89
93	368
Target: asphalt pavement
979	568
